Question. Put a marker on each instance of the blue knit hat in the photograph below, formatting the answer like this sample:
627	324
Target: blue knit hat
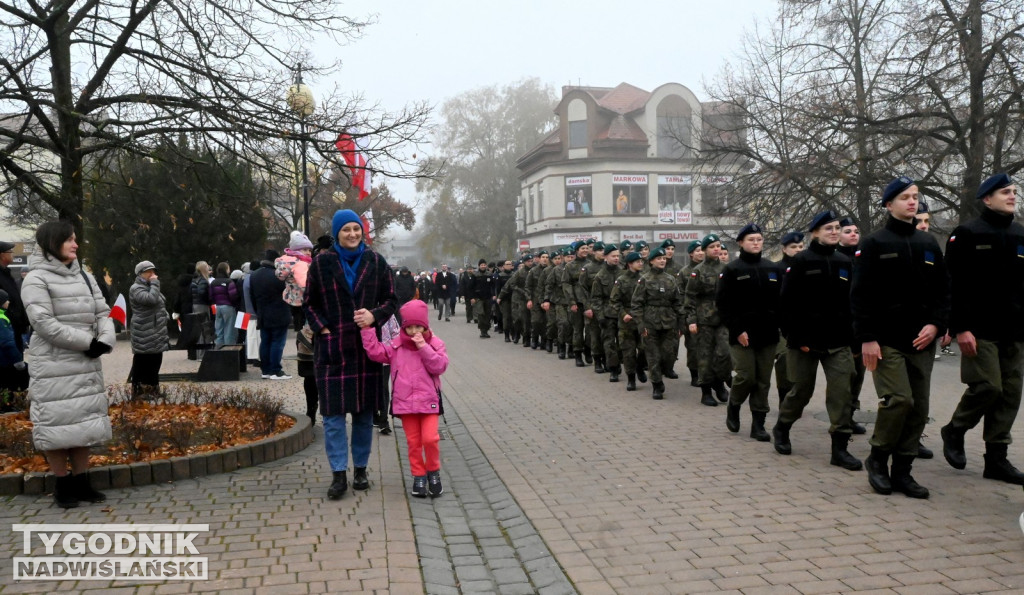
341	218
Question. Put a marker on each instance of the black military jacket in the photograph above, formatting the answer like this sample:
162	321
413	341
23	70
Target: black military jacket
748	299
816	299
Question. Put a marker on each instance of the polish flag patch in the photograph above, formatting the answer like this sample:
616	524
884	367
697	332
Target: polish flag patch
857	253
242	320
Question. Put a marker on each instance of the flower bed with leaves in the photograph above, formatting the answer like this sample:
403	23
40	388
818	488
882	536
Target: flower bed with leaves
177	420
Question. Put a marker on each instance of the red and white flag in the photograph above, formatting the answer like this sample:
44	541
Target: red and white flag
354	156
242	320
213	309
367	218
119	311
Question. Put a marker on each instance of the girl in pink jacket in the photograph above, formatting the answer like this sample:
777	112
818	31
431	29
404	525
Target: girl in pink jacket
417	359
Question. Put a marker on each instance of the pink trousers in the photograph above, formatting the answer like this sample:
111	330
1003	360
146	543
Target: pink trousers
424	442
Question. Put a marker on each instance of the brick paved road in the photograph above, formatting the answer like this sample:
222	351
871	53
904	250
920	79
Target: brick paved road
554	475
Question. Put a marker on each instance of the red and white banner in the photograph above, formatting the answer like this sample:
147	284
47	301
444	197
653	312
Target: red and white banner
119	311
368	226
242	320
353	154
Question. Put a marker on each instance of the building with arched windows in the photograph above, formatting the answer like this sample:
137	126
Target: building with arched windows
622	165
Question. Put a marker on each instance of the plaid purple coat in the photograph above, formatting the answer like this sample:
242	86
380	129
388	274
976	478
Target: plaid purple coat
346	380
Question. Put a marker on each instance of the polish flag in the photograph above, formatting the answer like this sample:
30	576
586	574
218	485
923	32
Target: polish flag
353	154
367	218
119	311
213	309
242	320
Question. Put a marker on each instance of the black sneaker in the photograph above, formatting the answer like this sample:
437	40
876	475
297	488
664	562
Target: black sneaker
434	483
419	486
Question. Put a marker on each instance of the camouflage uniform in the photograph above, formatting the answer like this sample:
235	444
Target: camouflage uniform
629	336
691	351
714	361
657	307
515	289
558	311
551	322
574	297
605	314
505	307
591	328
536	312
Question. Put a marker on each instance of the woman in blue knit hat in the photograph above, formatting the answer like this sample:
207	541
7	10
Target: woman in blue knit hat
349	288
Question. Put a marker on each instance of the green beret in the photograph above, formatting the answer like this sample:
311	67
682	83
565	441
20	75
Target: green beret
625	245
639	245
656	253
668	242
693	246
598	246
609	248
708	240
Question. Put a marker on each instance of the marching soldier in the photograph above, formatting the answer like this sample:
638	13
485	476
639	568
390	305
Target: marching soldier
515	289
591	323
606	314
849	239
657	307
792	244
478	297
673	266
695	254
534	299
748	302
504	309
561	304
711	339
554	270
574	297
986	261
900	304
630	345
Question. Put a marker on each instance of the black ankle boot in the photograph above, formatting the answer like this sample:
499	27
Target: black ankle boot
757	431
549	346
901	480
614	374
630	381
599	364
780	433
561	351
82	489
732	417
877	465
588	356
658	390
508	339
339	486
360	481
842	457
641	374
579	360
706	398
998	468
953	446
64	493
721	393
693	377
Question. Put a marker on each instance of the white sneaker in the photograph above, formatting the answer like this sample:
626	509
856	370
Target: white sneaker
280	376
265	376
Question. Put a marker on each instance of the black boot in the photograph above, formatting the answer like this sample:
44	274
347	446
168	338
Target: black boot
588	356
339	486
549	346
842	457
670	373
515	338
780	433
536	343
526	341
630	381
360	481
923	452
998	468
858	429
508	338
902	481
693	377
641	374
83	491
484	335
599	364
706	397
561	351
877	465
614	374
659	390
953	446
64	493
757	431
721	393
732	417
579	360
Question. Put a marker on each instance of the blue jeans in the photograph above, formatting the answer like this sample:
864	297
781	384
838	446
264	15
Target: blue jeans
272	342
336	440
225	331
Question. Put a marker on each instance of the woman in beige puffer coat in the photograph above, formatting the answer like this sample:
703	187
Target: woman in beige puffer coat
71	331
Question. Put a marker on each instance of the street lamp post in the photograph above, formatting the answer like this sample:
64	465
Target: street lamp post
300	100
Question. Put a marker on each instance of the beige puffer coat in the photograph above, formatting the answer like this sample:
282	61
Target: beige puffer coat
68	396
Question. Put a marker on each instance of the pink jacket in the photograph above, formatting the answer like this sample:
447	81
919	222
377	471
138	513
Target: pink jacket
415	373
292	269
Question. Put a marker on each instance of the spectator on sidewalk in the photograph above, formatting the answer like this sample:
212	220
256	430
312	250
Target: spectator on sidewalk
252	335
292	268
224	296
148	328
16	309
13	374
199	289
272	315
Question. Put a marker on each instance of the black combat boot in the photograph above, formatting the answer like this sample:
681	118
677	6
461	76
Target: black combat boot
64	493
953	445
693	377
526	341
508	338
630	381
877	465
484	335
549	346
659	390
757	431
901	480
360	481
996	465
670	373
732	417
923	452
781	435
515	338
588	356
842	457
561	351
536	343
599	364
339	486
721	393
82	489
858	429
706	398
614	374
641	374
579	360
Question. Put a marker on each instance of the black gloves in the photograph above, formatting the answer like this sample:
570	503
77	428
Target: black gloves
97	349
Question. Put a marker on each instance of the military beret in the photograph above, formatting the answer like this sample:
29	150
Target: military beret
625	245
922	207
896	187
598	246
708	240
693	246
987	187
542	253
656	253
793	237
590	241
633	257
846	222
748	229
527	256
576	246
668	242
822	218
639	245
609	248
6	247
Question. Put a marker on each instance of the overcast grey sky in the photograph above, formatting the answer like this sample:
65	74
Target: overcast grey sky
438	49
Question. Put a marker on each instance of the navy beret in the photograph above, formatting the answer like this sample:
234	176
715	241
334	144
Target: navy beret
693	246
895	187
748	229
625	245
633	257
609	248
640	245
922	207
708	240
668	242
656	253
994	183
793	237
821	219
846	222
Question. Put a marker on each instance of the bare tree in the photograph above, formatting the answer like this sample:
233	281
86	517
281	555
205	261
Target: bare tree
82	80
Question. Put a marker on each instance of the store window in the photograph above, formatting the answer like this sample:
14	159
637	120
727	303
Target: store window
629	194
675	194
714	195
675	128
540	201
578	196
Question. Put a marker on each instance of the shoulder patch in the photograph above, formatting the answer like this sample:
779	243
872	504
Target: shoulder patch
952	239
856	254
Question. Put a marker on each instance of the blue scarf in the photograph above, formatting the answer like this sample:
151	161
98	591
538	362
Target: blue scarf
350	262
